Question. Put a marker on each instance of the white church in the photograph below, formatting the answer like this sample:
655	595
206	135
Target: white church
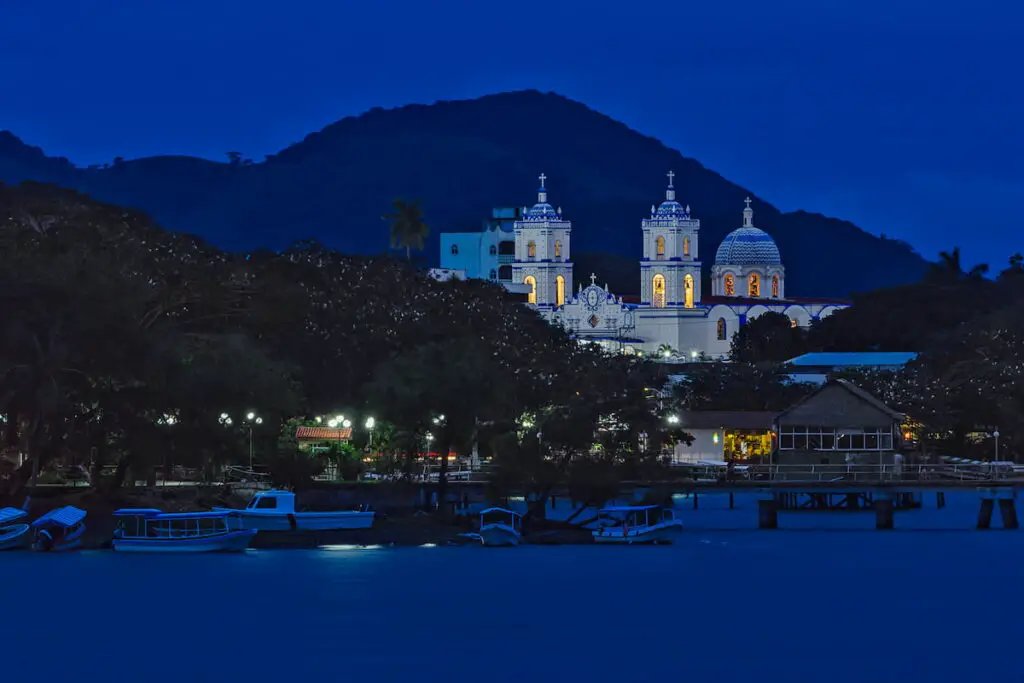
672	317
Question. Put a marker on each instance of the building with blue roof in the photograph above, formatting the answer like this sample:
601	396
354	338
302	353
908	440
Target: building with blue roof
816	368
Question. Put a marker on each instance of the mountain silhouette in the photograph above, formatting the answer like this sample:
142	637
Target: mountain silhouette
460	159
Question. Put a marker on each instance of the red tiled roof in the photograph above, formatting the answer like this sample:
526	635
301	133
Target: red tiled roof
323	434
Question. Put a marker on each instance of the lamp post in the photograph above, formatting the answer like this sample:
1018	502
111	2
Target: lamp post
996	435
369	424
251	419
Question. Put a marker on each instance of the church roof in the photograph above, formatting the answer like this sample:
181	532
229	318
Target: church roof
542	211
670	208
748	246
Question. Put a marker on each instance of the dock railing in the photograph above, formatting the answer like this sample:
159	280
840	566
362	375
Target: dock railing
857	473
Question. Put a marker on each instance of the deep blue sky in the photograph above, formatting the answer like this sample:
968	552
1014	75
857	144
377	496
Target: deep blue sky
903	116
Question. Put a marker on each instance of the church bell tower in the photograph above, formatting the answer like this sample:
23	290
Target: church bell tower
542	258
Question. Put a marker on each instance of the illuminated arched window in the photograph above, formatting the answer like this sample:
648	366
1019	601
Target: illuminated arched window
721	329
688	291
754	285
531	250
686	246
658	298
559	290
532	296
775	286
659	246
558	249
793	323
493	250
730	285
455	249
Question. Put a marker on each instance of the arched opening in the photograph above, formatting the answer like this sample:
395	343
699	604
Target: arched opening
531	297
688	291
754	285
730	285
659	246
507	248
721	329
793	323
558	249
505	273
494	274
658	287
455	249
686	246
493	250
559	291
531	250
775	286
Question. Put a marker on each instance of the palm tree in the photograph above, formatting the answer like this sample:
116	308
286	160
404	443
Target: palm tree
949	268
407	227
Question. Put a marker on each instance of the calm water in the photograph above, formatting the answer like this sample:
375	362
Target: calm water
853	606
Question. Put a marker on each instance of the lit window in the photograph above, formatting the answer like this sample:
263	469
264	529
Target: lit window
688	291
792	322
686	246
659	246
531	250
559	290
721	329
730	285
531	297
775	286
658	300
558	249
754	285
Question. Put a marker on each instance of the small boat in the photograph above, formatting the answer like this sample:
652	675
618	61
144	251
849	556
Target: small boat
636	524
14	533
149	530
59	529
500	527
275	511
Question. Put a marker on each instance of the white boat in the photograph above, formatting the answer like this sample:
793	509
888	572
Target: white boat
59	529
500	527
636	524
148	530
14	532
275	511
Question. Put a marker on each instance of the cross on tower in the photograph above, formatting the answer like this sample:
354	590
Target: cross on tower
593	278
747	202
671	175
542	179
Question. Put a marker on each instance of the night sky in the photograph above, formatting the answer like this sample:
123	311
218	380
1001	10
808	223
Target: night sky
903	116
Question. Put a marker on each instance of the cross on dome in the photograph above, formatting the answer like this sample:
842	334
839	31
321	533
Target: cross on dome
670	193
747	202
542	179
593	278
671	175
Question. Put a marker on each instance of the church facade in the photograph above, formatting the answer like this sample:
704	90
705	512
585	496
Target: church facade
673	317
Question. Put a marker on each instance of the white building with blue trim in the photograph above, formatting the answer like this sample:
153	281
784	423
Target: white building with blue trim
748	279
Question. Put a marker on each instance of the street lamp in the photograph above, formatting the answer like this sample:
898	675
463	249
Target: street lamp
369	424
251	418
673	419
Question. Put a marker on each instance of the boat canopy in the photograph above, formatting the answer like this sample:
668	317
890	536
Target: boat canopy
8	515
137	512
67	517
630	508
274	499
502	510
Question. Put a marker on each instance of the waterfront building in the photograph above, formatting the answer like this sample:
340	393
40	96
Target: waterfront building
722	435
672	317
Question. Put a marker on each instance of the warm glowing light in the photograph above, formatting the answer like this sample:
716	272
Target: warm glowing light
714	438
370	422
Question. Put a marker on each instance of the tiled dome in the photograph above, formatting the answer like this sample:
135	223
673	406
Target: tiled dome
748	247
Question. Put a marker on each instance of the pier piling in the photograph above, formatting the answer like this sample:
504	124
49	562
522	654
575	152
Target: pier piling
985	513
767	514
940	500
732	501
884	507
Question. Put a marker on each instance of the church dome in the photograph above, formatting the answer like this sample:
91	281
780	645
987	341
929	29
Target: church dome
748	247
542	210
670	208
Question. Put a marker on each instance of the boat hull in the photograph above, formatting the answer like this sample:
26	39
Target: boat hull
233	541
499	535
15	537
57	540
300	521
658	533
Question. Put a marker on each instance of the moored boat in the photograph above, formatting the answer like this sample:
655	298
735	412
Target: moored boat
154	531
59	529
500	527
14	532
275	511
636	524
